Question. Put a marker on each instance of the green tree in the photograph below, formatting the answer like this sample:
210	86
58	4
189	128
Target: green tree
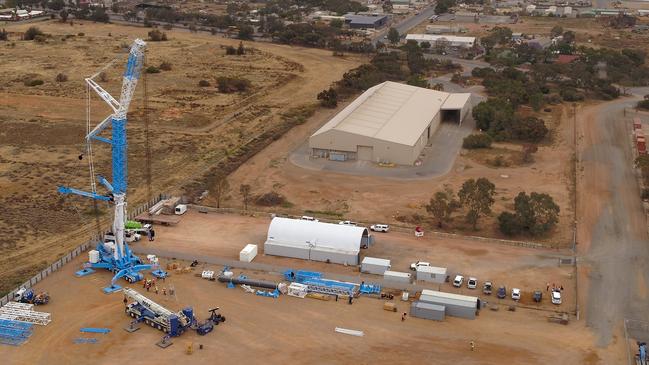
478	197
245	190
328	98
336	23
556	31
246	32
442	205
64	16
393	36
417	80
537	212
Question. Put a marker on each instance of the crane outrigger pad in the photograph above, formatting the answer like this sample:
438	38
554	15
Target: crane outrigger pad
111	289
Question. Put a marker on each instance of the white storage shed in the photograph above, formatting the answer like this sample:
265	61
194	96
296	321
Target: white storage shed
373	265
248	253
456	305
431	273
318	241
400	277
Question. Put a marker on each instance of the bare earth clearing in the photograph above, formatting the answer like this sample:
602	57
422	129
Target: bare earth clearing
42	127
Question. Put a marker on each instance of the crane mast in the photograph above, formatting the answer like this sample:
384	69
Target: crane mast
119	258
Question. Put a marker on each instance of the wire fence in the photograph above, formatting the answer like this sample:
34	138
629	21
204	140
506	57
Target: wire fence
58	264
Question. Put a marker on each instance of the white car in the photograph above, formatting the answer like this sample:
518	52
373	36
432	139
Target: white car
307	218
380	228
472	283
457	282
417	264
516	294
347	223
556	297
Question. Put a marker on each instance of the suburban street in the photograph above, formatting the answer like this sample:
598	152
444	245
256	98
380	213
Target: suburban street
612	241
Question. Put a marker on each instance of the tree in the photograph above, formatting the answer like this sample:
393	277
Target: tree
64	16
220	191
4	35
556	31
537	213
56	5
336	23
443	6
393	36
245	189
246	32
241	50
474	141
442	205
328	98
478	197
529	150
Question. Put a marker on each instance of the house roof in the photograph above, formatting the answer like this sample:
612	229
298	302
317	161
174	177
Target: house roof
389	111
565	59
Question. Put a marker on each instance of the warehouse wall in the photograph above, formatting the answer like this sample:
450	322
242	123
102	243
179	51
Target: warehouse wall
287	251
334	257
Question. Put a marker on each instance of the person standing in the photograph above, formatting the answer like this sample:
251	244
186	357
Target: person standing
152	234
149	235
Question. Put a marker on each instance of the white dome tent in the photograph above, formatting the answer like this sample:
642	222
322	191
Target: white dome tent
311	240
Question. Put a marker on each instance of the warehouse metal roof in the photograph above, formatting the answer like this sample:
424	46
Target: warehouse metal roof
438	297
315	235
364	19
389	111
435	38
456	101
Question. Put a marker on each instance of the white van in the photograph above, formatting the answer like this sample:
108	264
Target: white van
307	218
180	209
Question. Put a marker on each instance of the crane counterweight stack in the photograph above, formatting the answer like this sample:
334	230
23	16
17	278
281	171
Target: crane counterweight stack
116	257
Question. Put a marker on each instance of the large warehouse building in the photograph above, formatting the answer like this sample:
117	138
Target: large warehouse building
390	123
311	240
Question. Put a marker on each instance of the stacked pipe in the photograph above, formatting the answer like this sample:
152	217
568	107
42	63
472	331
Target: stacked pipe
251	282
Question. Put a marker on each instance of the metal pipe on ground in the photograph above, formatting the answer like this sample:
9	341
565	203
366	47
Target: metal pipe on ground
255	283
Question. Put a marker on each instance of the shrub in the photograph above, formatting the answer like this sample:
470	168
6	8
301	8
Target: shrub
157	36
569	94
103	77
477	141
643	104
31	33
328	98
231	84
81	34
152	70
204	83
270	199
4	35
509	224
33	82
529	129
61	77
165	66
229	50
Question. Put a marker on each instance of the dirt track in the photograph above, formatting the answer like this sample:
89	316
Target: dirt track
612	229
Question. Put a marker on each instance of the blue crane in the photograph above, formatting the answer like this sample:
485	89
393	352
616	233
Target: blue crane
116	257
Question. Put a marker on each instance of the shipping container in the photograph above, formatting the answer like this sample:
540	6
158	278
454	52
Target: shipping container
248	253
373	265
401	277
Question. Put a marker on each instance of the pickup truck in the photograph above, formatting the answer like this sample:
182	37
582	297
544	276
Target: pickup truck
417	264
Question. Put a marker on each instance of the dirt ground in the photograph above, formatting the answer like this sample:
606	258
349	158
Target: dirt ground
191	128
375	199
224	235
288	330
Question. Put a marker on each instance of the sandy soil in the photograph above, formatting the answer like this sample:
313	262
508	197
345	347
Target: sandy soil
374	199
288	330
42	127
224	235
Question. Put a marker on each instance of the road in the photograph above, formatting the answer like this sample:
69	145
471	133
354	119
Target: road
612	240
408	23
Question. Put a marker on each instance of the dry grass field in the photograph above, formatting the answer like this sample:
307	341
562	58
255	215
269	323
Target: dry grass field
191	127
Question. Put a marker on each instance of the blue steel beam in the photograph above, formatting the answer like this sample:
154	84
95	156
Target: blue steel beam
119	155
66	190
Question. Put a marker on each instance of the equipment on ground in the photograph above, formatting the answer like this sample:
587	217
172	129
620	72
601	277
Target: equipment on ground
642	358
14	332
115	256
317	284
28	296
153	314
561	318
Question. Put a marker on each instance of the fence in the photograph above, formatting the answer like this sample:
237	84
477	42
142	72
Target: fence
73	254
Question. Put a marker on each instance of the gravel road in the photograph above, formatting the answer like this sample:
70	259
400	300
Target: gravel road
613	245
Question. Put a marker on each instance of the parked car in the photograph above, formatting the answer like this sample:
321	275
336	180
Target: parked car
380	228
516	294
307	218
457	282
486	288
502	292
472	283
347	223
537	296
415	265
556	296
